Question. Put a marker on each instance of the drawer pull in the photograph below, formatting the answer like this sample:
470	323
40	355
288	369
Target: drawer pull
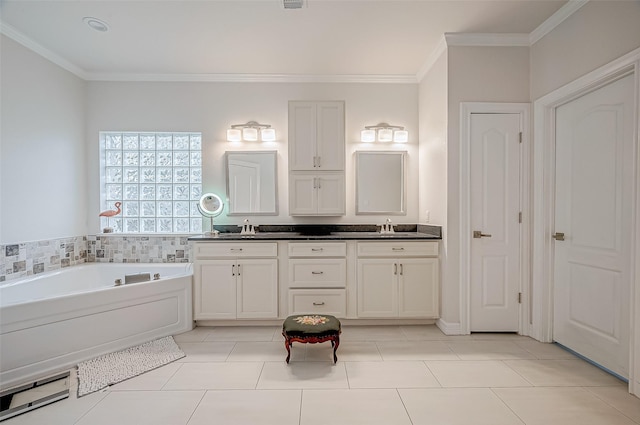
401	270
317	272
397	249
236	249
322	303
233	270
317	249
395	269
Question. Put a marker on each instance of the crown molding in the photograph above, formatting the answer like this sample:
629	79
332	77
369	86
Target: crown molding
486	39
556	19
441	47
255	78
18	37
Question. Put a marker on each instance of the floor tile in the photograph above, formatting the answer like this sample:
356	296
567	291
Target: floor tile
152	380
544	351
242	333
371	333
348	351
205	351
388	374
554	373
489	350
248	407
456	406
144	408
280	375
214	376
619	398
353	407
264	351
415	350
498	336
560	406
197	334
422	332
481	373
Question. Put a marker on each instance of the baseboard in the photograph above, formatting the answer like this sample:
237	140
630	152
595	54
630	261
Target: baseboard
449	328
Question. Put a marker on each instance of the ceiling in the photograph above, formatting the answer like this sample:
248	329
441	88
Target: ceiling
245	37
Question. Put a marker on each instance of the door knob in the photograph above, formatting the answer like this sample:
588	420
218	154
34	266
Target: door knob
558	236
478	234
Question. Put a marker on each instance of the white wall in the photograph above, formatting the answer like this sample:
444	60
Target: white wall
596	34
475	74
212	107
43	192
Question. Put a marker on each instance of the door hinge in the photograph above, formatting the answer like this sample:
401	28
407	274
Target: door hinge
519	297
520	137
520	217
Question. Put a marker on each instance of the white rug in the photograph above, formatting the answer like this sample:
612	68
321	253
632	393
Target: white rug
99	373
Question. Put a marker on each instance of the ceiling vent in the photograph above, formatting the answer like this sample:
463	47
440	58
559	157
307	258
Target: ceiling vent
293	4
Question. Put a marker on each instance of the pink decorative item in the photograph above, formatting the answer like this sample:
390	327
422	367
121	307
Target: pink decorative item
109	214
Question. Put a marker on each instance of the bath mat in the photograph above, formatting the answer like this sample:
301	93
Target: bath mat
109	369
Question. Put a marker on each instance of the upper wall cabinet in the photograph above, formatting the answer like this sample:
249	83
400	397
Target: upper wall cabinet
316	136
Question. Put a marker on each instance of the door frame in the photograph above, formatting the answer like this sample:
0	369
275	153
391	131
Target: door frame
543	174
466	110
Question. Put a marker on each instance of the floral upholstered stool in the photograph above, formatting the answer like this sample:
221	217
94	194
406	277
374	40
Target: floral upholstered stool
311	329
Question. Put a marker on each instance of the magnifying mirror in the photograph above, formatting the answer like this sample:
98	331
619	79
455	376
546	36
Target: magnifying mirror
211	206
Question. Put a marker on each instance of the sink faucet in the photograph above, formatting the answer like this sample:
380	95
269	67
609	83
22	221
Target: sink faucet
247	228
387	227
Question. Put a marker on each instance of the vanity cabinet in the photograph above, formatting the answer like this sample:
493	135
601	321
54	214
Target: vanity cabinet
316	193
316	136
236	280
316	158
397	279
317	278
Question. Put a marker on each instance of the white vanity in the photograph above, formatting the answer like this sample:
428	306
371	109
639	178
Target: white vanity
351	275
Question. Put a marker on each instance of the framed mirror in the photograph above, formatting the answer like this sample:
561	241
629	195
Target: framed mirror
252	187
380	183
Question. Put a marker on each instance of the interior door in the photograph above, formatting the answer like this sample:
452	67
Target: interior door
495	222
594	202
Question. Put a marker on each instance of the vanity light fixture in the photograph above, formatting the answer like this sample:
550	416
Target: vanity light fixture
384	132
249	132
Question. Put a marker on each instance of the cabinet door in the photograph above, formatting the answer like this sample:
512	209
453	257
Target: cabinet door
377	288
302	135
257	289
303	198
330	188
330	144
215	289
418	287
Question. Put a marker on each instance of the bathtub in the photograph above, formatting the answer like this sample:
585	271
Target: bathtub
53	321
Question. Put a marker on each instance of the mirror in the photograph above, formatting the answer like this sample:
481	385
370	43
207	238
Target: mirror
210	206
252	182
380	183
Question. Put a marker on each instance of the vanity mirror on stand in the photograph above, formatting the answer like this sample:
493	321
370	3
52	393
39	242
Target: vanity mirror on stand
380	183
210	206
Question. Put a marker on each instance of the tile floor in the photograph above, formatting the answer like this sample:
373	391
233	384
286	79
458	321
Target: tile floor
391	375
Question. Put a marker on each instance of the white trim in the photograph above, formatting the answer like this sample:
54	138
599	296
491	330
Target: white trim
486	39
466	109
449	328
556	19
256	78
543	199
18	37
432	59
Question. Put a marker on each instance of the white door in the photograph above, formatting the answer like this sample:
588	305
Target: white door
330	188
594	201
257	281
495	222
215	290
303	198
417	287
330	136
377	288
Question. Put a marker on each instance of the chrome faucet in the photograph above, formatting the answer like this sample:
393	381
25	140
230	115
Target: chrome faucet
387	227
247	228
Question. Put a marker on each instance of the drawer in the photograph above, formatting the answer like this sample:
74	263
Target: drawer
318	301
398	249
235	249
317	249
317	273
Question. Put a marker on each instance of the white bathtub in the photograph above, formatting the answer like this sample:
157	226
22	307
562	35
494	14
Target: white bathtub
55	320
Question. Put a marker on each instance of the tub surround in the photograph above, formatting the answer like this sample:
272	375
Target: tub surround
114	248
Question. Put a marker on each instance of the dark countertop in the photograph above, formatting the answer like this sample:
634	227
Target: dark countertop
324	233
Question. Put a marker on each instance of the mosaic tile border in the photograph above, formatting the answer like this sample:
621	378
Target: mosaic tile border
138	249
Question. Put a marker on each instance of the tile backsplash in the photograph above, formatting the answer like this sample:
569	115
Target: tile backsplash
29	258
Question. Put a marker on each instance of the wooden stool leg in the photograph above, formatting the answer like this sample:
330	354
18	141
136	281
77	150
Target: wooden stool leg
335	344
287	345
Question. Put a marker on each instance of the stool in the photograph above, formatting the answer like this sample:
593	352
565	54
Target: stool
311	329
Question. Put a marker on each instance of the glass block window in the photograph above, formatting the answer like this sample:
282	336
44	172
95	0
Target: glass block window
158	179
